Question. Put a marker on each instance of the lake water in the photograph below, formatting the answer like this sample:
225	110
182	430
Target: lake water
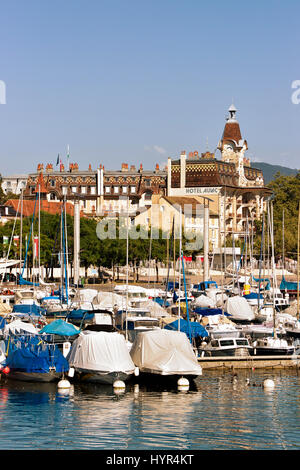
220	412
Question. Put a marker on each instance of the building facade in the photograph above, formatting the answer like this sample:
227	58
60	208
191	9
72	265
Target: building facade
235	189
100	192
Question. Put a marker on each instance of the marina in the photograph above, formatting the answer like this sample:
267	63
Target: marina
149	230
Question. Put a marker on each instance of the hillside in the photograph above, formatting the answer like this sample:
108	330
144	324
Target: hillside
269	170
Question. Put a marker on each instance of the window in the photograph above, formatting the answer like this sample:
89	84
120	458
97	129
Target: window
52	183
93	189
116	189
64	190
124	189
132	189
74	189
83	190
107	189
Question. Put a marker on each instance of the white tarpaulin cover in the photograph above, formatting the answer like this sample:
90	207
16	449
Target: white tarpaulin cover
17	326
239	308
164	352
101	351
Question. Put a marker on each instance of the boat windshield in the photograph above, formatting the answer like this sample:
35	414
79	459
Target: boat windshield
227	342
242	342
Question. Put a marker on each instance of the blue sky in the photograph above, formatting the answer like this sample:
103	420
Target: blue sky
138	81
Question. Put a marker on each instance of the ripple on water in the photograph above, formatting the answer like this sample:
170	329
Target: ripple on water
221	412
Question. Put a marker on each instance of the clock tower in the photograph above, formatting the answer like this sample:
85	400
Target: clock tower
232	146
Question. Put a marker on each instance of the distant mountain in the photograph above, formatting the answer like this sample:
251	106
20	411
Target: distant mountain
269	170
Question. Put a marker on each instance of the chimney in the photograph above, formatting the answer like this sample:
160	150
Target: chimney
132	168
49	167
90	167
124	167
141	168
157	167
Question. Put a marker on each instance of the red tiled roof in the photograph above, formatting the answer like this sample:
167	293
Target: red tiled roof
52	207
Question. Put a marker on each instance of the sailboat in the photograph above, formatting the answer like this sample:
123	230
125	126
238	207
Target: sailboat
272	345
30	358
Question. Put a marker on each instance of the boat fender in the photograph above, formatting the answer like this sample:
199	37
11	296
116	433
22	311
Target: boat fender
63	384
136	371
71	372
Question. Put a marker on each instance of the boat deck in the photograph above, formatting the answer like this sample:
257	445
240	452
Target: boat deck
250	362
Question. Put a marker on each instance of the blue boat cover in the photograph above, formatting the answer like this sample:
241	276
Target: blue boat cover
80	314
32	355
209	311
253	295
171	285
204	285
161	301
61	328
197	330
288	285
29	309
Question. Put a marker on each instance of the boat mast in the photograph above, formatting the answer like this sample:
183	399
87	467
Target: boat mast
298	263
283	255
273	265
39	235
179	283
21	233
127	261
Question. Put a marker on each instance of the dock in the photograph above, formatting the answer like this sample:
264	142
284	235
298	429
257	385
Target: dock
250	362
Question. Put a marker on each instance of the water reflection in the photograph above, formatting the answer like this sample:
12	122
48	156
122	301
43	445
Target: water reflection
221	410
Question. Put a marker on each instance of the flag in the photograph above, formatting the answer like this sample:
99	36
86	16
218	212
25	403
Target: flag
57	161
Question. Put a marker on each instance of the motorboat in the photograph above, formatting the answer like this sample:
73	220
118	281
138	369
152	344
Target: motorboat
272	346
217	324
134	321
226	346
100	357
165	353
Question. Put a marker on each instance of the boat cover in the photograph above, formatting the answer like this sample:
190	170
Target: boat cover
197	330
60	327
289	285
204	301
28	309
164	352
101	351
18	326
205	312
239	309
81	314
31	355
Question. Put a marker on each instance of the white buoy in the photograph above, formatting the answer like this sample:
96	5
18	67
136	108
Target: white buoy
63	384
136	371
119	384
183	383
268	383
